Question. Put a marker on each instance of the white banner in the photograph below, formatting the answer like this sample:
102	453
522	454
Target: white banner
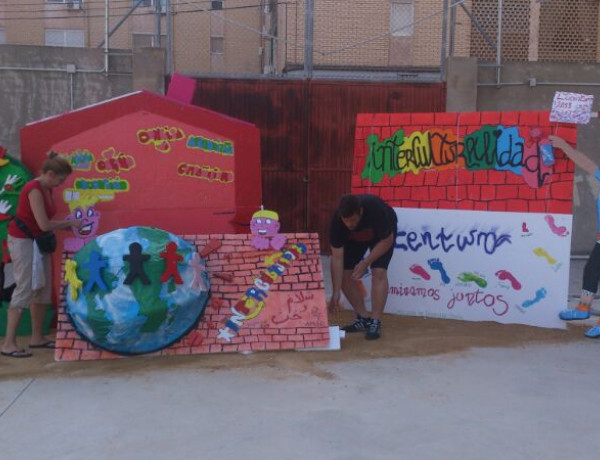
480	266
571	108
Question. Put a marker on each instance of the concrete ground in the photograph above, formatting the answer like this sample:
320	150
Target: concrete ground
507	392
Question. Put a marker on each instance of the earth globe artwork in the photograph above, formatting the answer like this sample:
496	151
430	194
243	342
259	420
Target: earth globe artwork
137	290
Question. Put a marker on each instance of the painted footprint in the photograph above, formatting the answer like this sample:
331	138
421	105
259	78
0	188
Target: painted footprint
467	277
541	252
505	275
435	264
420	271
560	231
539	295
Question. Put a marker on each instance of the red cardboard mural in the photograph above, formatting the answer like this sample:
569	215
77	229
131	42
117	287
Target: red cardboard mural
484	208
452	161
143	159
260	300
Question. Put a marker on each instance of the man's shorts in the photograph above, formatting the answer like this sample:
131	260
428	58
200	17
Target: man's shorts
354	252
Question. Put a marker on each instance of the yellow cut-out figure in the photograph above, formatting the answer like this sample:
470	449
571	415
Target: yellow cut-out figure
75	284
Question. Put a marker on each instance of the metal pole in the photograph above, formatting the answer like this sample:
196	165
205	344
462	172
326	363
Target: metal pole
169	43
309	10
452	28
444	41
106	35
120	22
157	6
499	46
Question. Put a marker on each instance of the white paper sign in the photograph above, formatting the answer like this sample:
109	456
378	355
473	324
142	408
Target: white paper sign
480	266
571	108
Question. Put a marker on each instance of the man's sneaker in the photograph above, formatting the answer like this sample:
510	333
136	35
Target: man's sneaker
360	324
374	330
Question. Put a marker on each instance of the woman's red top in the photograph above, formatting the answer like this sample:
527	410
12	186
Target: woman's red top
25	213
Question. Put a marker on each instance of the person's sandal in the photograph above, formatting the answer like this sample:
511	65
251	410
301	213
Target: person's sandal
50	344
16	354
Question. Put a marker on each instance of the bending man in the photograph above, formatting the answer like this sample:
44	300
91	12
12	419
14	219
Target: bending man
362	222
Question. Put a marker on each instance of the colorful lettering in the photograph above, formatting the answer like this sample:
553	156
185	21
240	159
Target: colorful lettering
112	162
248	307
80	160
160	137
103	184
210	145
491	147
205	172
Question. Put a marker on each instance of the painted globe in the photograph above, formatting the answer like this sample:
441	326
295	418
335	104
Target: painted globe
137	318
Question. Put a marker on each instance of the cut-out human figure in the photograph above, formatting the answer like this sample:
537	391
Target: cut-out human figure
84	210
75	283
591	272
198	266
362	222
95	264
265	228
136	264
171	259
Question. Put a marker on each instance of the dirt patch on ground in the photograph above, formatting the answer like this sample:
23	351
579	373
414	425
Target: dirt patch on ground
403	336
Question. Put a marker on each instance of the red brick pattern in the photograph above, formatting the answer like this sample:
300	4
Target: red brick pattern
233	264
459	188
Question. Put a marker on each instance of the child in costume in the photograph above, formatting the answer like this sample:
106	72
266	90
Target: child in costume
591	272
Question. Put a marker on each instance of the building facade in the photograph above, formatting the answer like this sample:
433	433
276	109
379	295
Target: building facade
268	36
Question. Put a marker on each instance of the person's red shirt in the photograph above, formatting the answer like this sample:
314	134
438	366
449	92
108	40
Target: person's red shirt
25	213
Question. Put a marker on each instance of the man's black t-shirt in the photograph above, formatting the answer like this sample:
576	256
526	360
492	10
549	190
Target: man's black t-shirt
377	222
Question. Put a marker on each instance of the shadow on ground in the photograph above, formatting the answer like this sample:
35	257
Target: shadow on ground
403	336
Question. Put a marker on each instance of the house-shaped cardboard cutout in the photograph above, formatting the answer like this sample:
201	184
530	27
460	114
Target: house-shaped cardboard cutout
144	159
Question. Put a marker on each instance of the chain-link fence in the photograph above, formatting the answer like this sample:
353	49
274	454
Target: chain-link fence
366	39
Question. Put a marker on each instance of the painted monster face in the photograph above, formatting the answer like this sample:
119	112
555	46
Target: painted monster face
264	226
90	221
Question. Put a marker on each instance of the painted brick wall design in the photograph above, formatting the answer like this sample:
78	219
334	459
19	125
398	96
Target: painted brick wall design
457	187
295	315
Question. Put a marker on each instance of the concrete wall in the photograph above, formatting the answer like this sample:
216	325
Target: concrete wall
42	81
515	93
